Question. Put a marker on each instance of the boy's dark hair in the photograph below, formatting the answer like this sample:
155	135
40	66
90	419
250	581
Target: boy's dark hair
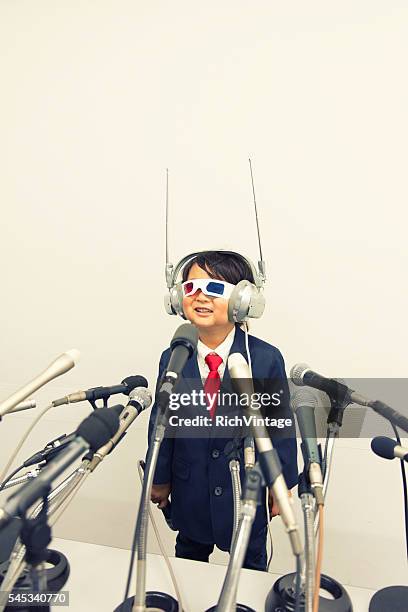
231	268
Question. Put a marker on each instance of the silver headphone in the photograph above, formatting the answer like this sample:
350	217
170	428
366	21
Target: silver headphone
247	300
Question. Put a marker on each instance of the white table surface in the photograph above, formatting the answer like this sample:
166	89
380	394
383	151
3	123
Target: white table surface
98	578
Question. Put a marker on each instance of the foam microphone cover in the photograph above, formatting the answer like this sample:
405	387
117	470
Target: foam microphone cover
182	345
98	428
240	374
384	447
134	381
187	335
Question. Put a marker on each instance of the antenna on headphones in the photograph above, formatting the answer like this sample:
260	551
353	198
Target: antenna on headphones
169	266
261	263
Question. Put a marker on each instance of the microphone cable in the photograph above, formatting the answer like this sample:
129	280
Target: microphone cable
271	544
10	476
404	485
22	440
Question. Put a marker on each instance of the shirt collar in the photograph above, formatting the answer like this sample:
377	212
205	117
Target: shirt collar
222	349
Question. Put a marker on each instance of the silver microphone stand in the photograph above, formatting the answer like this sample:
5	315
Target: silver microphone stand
308	565
332	434
139	604
252	487
147	601
236	493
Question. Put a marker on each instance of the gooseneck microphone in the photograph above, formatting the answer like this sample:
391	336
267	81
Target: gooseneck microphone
104	393
92	433
59	366
268	457
27	405
139	399
301	374
303	404
387	448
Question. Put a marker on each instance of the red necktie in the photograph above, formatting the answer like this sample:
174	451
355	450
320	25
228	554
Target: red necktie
213	382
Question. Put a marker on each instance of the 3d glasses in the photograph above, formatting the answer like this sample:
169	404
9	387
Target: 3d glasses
209	286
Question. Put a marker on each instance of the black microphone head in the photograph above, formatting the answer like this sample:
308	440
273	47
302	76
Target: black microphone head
132	382
186	335
98	428
383	447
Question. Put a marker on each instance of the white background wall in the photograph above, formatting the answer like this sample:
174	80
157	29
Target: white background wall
97	99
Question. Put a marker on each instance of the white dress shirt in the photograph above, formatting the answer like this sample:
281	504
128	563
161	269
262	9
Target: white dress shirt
222	350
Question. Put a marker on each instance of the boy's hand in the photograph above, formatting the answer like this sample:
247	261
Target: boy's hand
273	504
160	494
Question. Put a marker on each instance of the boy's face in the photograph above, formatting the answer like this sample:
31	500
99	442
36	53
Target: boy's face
202	310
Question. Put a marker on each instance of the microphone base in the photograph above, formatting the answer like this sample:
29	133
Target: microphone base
239	608
282	596
8	538
155	600
393	598
57	576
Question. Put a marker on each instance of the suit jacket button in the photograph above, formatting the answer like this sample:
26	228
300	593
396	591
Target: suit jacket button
215	453
218	491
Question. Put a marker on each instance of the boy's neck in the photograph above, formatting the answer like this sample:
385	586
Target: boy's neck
214	337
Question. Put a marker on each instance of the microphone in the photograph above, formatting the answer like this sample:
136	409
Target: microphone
301	374
96	393
268	457
59	366
92	433
23	406
182	346
303	404
140	399
388	448
51	449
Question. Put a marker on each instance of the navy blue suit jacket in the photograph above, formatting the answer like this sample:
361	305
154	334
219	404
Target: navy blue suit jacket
198	469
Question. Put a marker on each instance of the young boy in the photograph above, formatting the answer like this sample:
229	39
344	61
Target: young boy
196	471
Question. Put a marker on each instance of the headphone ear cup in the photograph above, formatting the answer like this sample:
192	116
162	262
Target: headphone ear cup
239	301
168	306
257	305
176	298
245	302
